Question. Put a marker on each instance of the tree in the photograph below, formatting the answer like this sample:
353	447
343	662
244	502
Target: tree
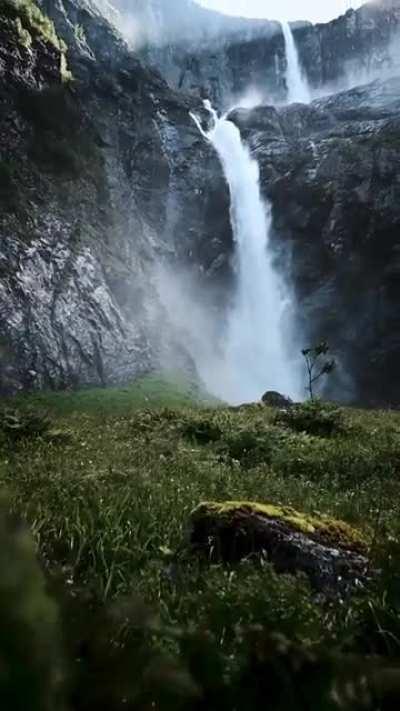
318	364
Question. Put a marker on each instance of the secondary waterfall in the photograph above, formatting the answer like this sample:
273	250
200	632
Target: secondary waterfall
255	357
298	89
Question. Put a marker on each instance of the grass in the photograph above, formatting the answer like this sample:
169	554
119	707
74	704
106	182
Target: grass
155	391
108	505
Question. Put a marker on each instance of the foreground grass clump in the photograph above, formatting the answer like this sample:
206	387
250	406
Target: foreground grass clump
21	425
30	640
109	505
314	418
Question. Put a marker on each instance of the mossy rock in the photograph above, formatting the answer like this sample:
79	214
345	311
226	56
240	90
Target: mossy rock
329	551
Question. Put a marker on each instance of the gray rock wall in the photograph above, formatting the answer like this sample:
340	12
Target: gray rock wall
354	48
101	180
331	173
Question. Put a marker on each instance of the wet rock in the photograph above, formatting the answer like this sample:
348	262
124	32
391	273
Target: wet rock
330	171
329	552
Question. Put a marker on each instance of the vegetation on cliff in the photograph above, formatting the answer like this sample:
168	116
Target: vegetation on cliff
32	22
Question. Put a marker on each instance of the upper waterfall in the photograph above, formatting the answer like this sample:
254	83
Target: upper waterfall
256	347
297	84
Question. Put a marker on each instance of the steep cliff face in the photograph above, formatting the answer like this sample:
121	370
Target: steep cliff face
354	48
331	172
104	176
100	178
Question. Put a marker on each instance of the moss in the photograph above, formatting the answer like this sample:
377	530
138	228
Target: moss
32	24
323	529
25	37
32	19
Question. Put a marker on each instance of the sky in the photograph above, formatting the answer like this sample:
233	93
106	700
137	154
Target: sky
313	10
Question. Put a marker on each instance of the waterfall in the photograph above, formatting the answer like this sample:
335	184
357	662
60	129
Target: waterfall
297	85
255	357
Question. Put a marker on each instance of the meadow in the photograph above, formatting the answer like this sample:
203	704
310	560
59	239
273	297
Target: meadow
106	480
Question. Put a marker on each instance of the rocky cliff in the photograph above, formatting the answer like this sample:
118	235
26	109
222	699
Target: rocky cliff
356	47
331	172
102	175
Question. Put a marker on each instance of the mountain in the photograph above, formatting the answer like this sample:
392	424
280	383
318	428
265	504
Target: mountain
105	178
356	47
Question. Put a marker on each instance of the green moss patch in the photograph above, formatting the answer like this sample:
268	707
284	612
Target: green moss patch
322	529
33	21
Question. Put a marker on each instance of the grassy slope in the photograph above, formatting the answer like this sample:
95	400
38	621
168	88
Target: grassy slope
171	390
110	502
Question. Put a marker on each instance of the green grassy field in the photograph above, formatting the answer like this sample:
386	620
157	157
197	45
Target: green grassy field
107	492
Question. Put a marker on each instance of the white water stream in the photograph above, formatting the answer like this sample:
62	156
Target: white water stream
256	344
297	84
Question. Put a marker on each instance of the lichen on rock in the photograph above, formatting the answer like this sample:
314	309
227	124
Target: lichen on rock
330	552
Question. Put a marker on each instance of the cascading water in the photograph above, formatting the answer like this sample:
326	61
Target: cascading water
255	356
297	85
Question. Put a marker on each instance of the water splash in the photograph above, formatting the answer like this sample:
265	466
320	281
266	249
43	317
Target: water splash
297	84
256	343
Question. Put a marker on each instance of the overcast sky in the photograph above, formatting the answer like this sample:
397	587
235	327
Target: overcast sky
314	10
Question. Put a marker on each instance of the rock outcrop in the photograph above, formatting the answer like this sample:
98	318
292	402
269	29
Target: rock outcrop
101	177
329	552
330	171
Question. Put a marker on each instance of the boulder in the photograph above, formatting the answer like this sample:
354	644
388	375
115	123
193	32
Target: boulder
275	399
332	554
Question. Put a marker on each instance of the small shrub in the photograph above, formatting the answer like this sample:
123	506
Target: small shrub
314	418
202	432
318	365
16	425
249	447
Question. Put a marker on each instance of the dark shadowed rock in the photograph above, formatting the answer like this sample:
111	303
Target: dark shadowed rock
330	171
329	552
275	399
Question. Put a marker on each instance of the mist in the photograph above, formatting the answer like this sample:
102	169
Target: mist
216	339
156	23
